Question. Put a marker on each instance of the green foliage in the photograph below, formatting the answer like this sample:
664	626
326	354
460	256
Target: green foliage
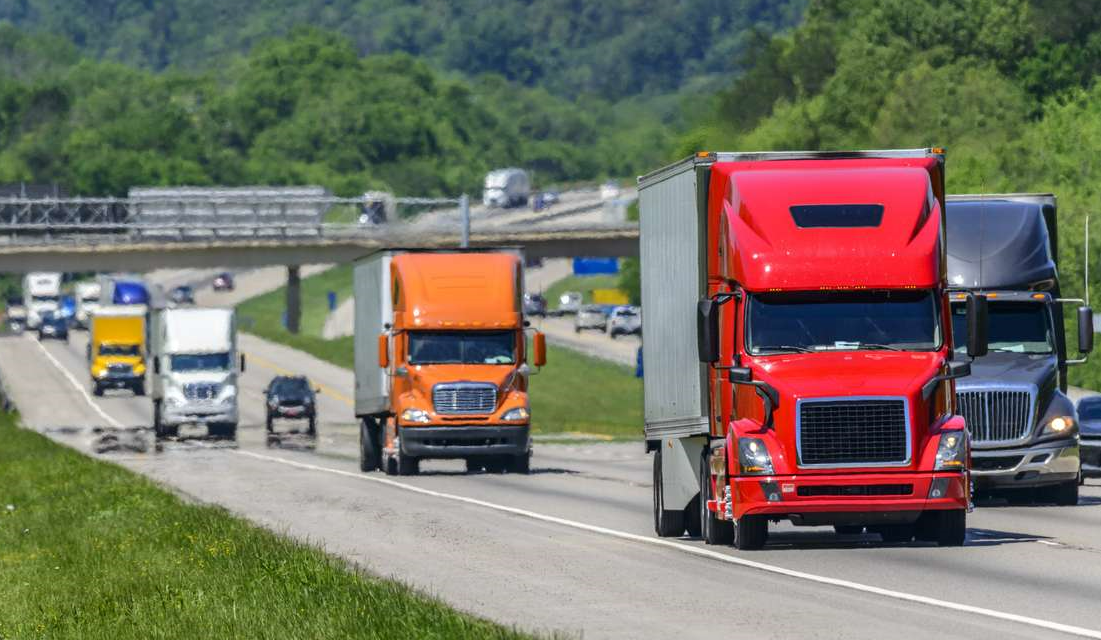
612	48
301	110
1008	86
91	550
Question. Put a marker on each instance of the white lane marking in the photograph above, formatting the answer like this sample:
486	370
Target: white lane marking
706	553
1049	543
80	388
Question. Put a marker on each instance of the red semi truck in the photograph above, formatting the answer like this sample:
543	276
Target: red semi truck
818	387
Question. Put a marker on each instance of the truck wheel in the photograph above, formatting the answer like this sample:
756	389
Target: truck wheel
667	522
370	451
408	465
227	430
311	426
750	533
139	388
520	464
953	528
712	530
160	429
473	465
96	389
1065	494
269	424
577	330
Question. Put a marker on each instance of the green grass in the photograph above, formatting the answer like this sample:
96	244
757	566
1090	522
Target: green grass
582	284
573	393
90	550
263	315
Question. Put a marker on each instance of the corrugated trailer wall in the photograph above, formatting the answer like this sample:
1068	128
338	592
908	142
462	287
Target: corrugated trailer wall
672	249
374	309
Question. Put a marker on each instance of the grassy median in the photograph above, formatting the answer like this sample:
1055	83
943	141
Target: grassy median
573	393
89	550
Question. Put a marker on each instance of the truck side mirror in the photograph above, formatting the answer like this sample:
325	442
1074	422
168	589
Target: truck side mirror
707	330
539	346
242	363
1085	329
740	375
383	351
978	340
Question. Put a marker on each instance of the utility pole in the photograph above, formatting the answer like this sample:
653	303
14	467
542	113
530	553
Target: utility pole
294	299
464	213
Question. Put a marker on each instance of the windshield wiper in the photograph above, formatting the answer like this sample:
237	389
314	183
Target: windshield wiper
785	347
872	345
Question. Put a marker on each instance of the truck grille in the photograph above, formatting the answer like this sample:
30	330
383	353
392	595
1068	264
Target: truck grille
996	415
201	390
838	433
464	397
118	369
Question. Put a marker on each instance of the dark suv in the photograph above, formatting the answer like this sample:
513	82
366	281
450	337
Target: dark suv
291	397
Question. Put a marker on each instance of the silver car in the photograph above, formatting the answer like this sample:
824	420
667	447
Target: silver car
568	304
625	320
590	316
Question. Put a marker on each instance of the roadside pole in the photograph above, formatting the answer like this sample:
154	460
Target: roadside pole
294	299
464	212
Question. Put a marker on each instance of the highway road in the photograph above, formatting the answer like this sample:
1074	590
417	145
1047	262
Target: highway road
570	548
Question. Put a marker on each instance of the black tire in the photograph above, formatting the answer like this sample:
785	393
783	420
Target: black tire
895	533
160	429
952	529
225	430
139	388
97	390
473	465
496	464
269	423
848	529
750	533
575	330
520	464
311	426
668	523
1065	494
370	447
408	465
712	530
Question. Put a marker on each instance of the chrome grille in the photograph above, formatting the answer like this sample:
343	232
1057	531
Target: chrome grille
201	390
996	415
858	432
464	398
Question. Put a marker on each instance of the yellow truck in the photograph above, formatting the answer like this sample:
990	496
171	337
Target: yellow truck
116	349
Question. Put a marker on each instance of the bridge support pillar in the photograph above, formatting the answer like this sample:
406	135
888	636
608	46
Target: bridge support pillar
294	299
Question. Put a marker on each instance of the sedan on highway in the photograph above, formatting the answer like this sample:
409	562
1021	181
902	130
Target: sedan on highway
591	316
182	295
568	303
291	398
624	321
223	281
54	325
535	305
1089	429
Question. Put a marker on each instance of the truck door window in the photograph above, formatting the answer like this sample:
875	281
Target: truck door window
1014	327
842	321
462	347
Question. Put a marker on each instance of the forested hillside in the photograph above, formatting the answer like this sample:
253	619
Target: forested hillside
1008	86
612	48
306	109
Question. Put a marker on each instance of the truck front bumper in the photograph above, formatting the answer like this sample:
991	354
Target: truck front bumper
464	441
1091	457
1038	465
199	414
854	498
119	382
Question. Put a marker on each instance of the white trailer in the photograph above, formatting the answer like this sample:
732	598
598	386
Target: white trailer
41	294
195	370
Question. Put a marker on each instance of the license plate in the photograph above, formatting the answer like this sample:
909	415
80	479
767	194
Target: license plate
292	412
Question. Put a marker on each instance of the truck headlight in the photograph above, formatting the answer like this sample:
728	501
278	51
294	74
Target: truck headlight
951	452
415	415
519	414
753	457
1059	424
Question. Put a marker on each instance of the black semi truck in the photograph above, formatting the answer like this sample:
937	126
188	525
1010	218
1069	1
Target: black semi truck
1024	428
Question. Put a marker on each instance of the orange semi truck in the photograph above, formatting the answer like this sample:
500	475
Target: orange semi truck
441	360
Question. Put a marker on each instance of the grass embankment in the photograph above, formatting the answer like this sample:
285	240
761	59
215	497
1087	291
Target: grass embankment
582	284
573	393
90	550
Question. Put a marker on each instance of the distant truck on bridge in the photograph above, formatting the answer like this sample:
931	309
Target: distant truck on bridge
441	360
799	350
1024	429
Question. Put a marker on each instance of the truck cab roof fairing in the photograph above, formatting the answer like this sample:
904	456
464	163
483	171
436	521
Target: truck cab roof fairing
998	244
457	291
753	200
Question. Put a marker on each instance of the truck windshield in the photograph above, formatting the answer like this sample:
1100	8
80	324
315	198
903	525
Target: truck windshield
842	321
462	347
200	361
45	298
1014	327
119	350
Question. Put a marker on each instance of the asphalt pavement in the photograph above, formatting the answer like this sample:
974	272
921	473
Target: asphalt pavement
570	548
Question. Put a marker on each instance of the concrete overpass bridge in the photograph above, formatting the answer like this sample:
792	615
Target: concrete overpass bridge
121	235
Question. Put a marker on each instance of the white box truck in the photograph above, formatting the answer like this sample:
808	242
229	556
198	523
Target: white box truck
506	188
87	302
41	294
195	369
